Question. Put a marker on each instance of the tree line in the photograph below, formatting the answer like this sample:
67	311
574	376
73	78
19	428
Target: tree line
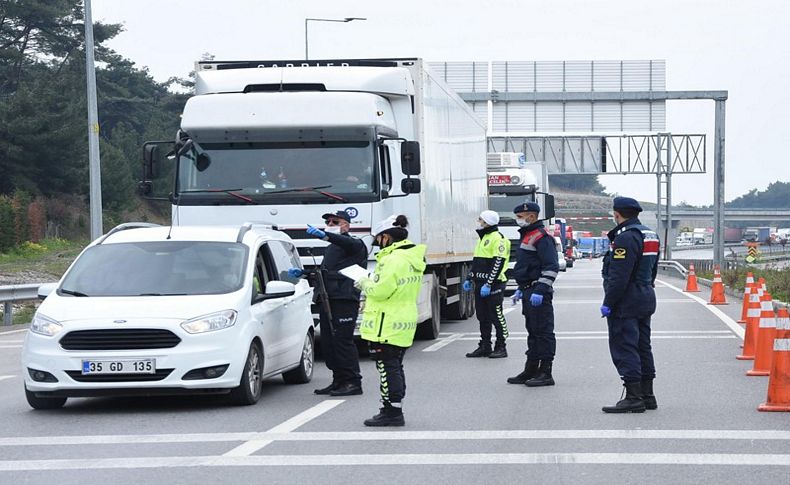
43	114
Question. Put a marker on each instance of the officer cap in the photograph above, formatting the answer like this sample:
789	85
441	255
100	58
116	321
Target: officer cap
339	214
626	203
527	207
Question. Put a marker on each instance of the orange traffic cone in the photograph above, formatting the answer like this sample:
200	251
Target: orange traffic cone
691	281
766	332
717	292
746	288
752	321
779	382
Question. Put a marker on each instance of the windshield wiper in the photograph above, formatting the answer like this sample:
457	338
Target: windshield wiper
162	294
72	292
316	189
225	191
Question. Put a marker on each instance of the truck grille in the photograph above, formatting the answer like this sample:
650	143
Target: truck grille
160	374
120	339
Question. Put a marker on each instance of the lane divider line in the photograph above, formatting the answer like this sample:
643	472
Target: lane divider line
443	342
295	422
736	329
2	378
13	331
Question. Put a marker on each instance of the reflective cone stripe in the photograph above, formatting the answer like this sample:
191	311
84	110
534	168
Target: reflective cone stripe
746	288
691	281
717	292
779	381
766	332
752	323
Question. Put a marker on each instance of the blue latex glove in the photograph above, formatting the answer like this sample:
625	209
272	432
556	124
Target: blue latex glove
467	286
605	311
314	231
295	272
517	296
536	299
485	290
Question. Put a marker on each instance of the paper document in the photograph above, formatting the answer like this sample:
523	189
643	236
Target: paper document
354	272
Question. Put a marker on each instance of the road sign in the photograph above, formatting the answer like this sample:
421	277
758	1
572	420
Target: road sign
753	254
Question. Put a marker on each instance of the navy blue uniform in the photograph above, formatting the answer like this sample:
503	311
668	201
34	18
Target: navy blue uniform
629	273
535	271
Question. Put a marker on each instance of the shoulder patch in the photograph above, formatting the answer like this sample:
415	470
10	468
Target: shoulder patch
619	253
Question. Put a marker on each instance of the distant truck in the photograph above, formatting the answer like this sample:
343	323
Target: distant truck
756	234
733	234
596	246
287	141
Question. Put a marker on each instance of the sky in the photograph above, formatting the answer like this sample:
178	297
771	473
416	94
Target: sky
739	46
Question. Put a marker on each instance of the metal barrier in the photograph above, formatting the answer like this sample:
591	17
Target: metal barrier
670	264
13	293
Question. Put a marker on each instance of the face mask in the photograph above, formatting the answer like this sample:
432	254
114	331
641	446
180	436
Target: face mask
332	229
480	226
522	222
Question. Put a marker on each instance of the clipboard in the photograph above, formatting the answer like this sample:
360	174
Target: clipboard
354	272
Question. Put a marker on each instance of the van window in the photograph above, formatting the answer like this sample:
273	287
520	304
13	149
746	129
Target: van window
283	257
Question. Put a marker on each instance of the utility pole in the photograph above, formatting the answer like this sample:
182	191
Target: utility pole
93	129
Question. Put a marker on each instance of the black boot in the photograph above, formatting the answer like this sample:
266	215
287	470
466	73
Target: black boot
543	377
500	351
530	371
347	389
326	390
647	394
632	403
387	416
483	350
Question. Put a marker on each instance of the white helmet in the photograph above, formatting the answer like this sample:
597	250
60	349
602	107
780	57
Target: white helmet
382	226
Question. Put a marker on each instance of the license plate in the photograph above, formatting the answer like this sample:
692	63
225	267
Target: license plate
133	366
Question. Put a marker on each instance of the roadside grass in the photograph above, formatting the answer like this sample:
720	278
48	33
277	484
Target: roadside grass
50	256
776	280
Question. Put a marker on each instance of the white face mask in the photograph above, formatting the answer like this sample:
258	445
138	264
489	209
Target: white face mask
332	229
522	222
480	226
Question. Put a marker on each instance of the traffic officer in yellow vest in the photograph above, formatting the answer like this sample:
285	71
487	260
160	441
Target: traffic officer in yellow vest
390	316
488	275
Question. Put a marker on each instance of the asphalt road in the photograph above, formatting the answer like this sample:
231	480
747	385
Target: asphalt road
464	424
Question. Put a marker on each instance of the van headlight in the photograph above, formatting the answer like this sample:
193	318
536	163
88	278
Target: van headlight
43	325
210	322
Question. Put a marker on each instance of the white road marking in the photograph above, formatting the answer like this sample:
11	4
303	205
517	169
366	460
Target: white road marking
736	329
10	341
10	346
572	302
443	342
254	445
2	378
510	309
391	435
605	337
368	460
13	331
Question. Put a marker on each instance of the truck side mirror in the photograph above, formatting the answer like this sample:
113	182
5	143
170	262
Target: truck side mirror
150	161
410	186
548	206
156	155
410	158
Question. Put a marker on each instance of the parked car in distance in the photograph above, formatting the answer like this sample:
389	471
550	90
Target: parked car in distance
560	255
149	310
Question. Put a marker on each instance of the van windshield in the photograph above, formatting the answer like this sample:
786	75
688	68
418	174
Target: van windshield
162	268
264	171
503	205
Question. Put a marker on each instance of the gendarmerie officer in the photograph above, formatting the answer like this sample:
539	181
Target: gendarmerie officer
488	275
337	337
629	274
535	271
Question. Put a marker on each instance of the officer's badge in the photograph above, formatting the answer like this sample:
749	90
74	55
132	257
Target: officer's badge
501	248
375	278
619	253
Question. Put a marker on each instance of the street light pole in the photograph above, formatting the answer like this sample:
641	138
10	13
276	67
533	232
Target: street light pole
93	129
344	20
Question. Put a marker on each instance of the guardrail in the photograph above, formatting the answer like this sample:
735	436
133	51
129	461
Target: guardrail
13	293
670	264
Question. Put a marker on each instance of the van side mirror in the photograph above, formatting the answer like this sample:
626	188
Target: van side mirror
410	158
410	186
45	289
277	289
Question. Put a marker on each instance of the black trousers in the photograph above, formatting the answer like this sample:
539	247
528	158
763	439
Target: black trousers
489	312
389	363
338	347
629	344
541	343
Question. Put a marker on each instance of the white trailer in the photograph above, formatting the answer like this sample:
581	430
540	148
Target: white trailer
287	141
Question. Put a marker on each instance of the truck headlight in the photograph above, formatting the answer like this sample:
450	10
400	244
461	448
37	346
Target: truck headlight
210	322
43	325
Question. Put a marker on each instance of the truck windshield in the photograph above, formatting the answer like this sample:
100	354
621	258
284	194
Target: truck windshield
503	204
162	268
262	170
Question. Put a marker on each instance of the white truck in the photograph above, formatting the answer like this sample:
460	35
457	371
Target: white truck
284	142
512	181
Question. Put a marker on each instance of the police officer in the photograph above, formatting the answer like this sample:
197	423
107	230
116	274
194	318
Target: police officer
488	274
390	316
337	337
535	271
629	273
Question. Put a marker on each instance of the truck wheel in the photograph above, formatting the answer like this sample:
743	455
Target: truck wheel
464	307
44	402
429	329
